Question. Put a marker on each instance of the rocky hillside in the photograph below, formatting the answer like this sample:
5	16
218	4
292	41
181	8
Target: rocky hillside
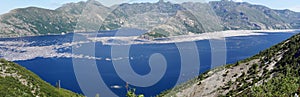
35	21
237	15
161	19
16	81
271	73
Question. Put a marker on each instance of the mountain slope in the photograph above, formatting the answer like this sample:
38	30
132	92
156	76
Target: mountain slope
38	21
237	15
35	21
273	72
16	81
89	15
161	19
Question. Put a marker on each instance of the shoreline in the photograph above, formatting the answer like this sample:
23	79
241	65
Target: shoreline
39	51
219	35
274	30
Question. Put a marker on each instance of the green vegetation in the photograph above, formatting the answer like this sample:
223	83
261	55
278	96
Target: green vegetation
287	76
158	33
259	80
285	81
16	81
276	87
286	72
131	93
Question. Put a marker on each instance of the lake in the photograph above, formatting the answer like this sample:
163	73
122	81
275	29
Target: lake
52	69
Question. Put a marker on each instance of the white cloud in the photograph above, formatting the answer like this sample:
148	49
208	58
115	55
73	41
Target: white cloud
297	8
238	0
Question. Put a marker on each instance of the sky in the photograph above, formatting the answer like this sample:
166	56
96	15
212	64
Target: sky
7	5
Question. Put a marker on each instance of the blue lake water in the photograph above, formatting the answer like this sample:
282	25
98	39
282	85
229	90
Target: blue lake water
54	69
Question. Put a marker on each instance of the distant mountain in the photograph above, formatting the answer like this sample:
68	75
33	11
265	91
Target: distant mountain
16	81
237	15
274	72
35	21
161	19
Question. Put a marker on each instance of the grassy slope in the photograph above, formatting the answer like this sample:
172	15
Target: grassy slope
257	79
286	80
12	86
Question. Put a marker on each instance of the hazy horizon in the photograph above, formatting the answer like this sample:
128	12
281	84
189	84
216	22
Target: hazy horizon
8	5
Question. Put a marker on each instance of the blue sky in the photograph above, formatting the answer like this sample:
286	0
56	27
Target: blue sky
7	5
